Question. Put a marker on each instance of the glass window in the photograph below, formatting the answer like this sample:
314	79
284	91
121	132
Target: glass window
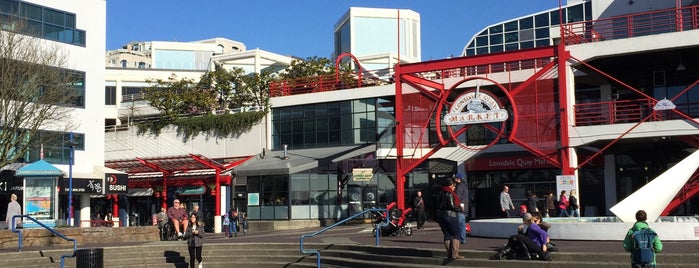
31	12
526	34
541	20
555	17
496	29
470	52
543	43
511	26
109	95
482	50
481	41
526	23
511	37
528	44
575	13
542	33
496	48
511	46
496	39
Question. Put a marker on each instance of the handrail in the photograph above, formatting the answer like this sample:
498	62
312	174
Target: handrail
317	252
19	232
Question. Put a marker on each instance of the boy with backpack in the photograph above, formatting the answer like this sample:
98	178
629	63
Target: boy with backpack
642	242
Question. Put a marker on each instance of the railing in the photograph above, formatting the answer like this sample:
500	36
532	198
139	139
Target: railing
612	112
377	232
632	25
19	232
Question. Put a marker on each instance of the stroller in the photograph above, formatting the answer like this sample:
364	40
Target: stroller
397	222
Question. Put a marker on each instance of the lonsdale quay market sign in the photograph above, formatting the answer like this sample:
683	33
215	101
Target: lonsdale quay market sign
475	108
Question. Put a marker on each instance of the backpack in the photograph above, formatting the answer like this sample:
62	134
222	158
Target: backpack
642	251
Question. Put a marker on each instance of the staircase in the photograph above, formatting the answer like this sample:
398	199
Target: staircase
264	255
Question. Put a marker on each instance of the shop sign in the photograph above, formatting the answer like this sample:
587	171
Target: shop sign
91	186
362	174
479	108
116	183
509	163
253	199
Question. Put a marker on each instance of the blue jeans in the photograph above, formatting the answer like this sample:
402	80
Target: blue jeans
562	212
574	212
462	224
233	228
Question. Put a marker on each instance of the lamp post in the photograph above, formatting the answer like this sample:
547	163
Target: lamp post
70	180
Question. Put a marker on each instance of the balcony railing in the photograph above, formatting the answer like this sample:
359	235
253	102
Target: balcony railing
627	111
632	25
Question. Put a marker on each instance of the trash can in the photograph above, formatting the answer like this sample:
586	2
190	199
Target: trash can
89	258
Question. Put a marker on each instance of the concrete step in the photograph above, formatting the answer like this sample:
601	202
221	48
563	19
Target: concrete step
158	255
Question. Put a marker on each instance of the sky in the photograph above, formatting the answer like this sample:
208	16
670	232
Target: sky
301	28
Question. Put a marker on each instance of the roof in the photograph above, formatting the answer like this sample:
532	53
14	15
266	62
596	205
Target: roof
39	168
173	164
300	160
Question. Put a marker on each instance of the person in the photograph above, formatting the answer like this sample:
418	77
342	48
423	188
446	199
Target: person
233	225
226	223
109	219
506	204
448	207
523	209
178	216
531	202
419	205
550	205
200	214
97	220
573	204
563	205
194	235
630	242
533	241
161	218
13	208
246	225
462	193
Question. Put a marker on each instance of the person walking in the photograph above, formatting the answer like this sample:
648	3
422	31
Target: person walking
233	222
419	205
195	239
161	217
563	205
573	204
642	242
531	202
448	207
462	193
506	204
550	205
13	208
245	224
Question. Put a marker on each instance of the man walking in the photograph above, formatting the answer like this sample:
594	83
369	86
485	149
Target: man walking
506	202
419	205
462	193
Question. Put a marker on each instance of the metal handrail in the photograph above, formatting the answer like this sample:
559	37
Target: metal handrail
377	232
19	232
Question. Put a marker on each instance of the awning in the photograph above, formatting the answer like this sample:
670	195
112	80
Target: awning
39	168
300	160
140	192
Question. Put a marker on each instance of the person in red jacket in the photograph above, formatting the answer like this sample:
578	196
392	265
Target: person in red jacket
178	215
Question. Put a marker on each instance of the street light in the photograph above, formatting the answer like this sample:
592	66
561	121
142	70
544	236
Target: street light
71	143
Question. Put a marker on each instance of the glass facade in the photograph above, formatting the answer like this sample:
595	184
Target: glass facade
181	60
40	22
326	124
54	146
527	32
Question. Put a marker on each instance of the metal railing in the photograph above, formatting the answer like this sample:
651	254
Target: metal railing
377	232
54	232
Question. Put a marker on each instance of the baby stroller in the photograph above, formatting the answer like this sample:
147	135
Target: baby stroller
397	222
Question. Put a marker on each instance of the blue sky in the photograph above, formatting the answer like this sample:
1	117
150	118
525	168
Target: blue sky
301	28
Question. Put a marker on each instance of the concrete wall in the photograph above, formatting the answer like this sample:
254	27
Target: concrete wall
92	235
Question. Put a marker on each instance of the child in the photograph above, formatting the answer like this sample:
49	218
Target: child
523	208
226	222
245	226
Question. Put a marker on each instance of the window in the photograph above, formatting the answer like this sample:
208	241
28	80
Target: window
123	63
43	22
109	95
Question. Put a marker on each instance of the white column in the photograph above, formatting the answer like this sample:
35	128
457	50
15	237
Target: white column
85	210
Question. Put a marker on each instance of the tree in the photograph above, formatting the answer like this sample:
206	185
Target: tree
180	97
36	90
310	67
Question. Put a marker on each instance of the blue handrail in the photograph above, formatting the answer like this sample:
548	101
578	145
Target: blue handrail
377	231
19	232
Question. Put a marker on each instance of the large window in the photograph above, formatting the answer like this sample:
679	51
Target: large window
325	124
109	95
41	22
53	147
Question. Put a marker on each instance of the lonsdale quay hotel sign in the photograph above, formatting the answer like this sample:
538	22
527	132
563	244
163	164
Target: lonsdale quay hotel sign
475	108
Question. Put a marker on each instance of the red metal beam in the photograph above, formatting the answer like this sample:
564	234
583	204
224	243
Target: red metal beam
454	63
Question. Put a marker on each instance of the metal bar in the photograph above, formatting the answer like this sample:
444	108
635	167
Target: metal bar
317	252
54	232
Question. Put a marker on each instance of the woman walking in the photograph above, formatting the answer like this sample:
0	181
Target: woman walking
448	207
195	239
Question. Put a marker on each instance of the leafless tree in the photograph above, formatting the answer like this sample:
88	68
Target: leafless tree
37	91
